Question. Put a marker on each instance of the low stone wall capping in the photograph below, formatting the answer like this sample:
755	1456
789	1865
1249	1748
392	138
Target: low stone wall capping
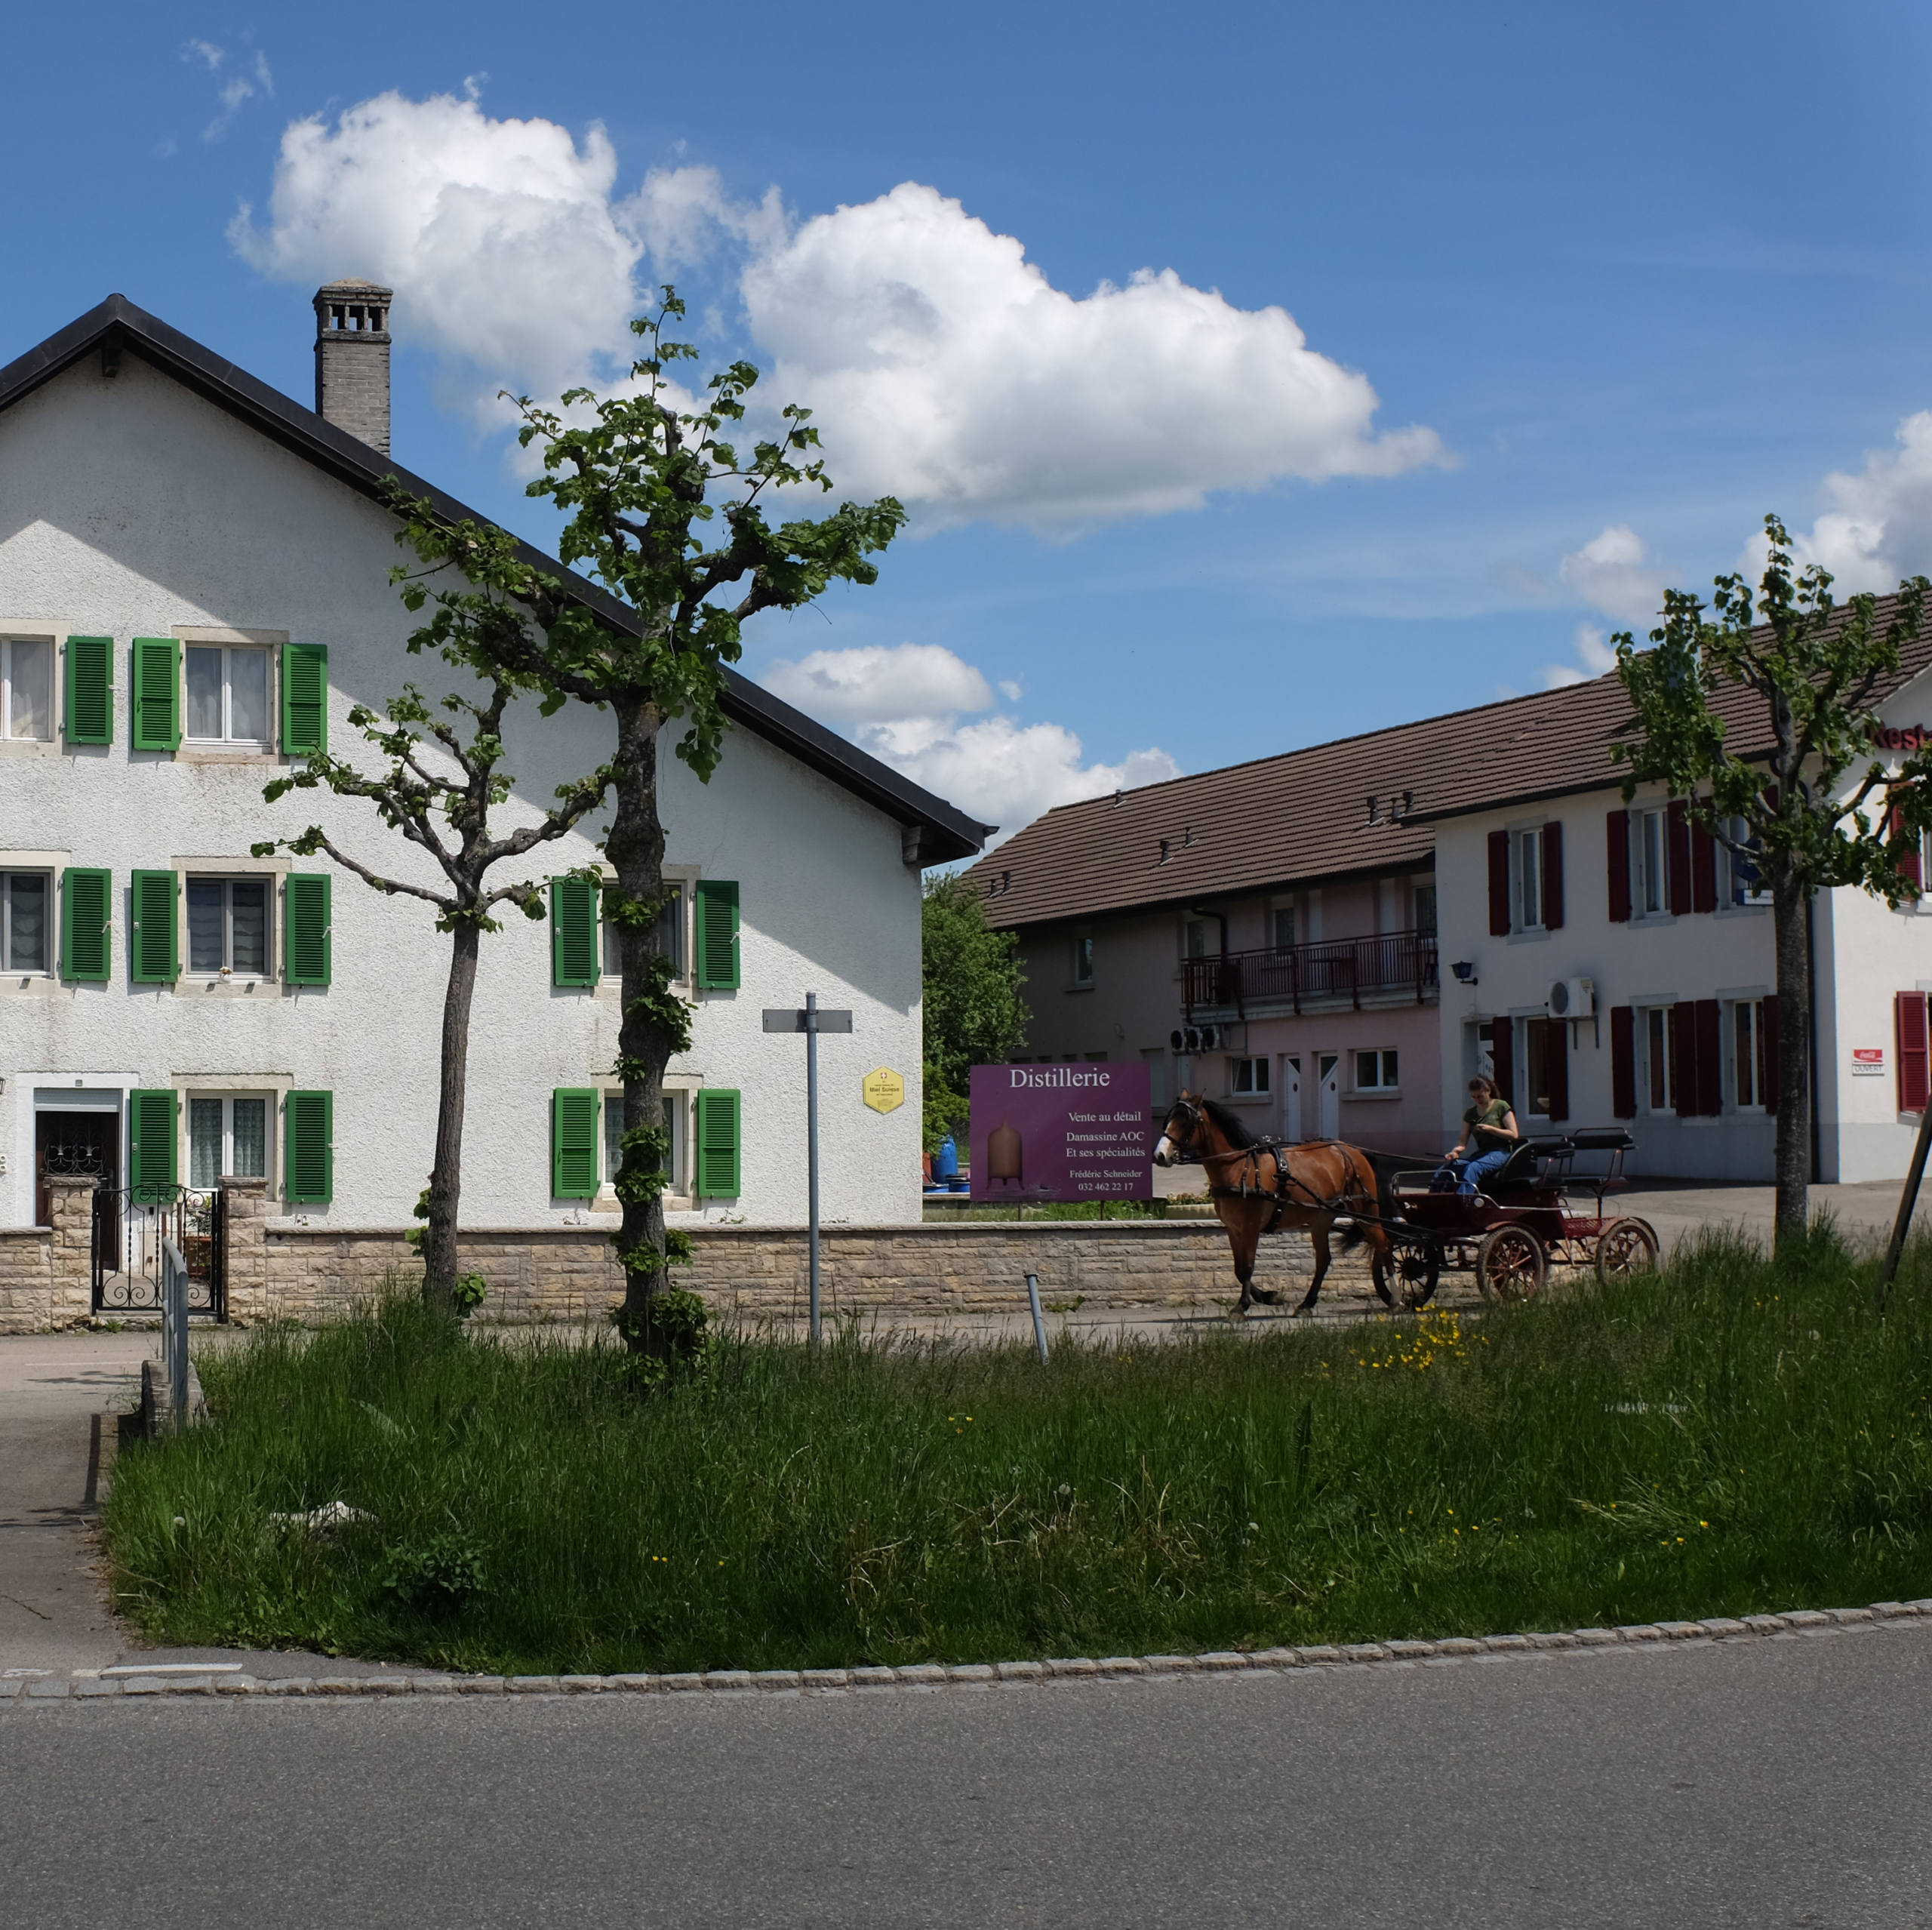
278	1268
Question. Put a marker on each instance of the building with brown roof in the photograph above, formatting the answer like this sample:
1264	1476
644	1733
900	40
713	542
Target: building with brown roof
1337	938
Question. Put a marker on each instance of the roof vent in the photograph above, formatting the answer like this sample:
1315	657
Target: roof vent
1373	818
1164	851
1117	797
352	359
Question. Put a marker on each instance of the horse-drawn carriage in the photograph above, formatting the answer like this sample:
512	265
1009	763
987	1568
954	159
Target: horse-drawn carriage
1533	1210
1540	1208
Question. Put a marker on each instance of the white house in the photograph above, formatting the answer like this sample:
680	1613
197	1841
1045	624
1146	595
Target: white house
1609	961
193	592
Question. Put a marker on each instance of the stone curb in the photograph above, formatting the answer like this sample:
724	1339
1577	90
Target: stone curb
86	1685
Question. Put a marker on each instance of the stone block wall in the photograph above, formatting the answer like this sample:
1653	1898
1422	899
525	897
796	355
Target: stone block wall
46	1273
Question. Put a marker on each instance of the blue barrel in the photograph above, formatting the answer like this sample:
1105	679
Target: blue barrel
946	1161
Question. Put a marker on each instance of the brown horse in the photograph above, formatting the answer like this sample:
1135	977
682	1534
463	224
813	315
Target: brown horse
1261	1187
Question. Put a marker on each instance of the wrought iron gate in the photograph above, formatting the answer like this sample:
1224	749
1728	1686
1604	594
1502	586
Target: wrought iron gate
130	1226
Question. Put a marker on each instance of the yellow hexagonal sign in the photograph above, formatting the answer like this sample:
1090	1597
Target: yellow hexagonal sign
885	1090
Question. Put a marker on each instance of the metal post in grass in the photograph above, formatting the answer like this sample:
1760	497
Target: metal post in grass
1039	1325
1908	1201
174	1329
811	1022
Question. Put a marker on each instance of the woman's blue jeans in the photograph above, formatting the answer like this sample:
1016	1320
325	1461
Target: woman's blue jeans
1469	1173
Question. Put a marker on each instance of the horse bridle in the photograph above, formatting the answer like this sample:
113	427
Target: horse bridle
1193	1112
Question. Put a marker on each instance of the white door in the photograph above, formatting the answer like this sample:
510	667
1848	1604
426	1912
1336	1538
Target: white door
1291	1098
1329	1069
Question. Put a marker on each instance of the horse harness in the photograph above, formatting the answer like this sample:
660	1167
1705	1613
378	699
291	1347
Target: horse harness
1269	1146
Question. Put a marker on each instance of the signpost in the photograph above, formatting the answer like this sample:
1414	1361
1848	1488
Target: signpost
811	1022
1068	1131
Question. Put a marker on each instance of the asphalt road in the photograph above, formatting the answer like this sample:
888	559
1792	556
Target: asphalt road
1769	1782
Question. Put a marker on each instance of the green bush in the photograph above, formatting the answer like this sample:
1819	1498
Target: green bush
1726	1436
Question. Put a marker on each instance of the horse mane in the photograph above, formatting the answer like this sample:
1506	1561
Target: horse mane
1231	1123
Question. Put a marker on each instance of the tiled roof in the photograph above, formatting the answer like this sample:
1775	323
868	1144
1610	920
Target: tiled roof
1303	816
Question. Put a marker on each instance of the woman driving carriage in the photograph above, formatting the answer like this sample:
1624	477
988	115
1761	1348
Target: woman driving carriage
1489	1136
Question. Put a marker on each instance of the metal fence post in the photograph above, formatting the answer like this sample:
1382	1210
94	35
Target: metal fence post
1039	1325
174	1329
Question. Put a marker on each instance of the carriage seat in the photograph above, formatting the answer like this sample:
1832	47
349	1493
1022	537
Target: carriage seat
1523	1168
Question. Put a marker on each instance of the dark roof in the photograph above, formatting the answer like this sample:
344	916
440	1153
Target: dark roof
1302	818
946	834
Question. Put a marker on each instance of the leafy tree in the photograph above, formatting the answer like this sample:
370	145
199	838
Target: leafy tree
974	1014
639	474
446	813
1803	814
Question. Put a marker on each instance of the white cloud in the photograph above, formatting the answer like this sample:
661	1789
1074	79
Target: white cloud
239	87
1878	528
500	237
949	371
877	685
1613	572
1594	658
943	367
905	705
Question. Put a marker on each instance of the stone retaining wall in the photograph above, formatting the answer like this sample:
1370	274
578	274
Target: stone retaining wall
46	1273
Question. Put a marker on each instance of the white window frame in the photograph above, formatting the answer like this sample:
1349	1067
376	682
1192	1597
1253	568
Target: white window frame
1645	875
227	741
1755	1008
1081	962
1380	1086
1654	1075
1284	909
225	1099
1420	889
38	640
1755	897
1526	878
1249	1077
680	1102
49	921
225	972
610	966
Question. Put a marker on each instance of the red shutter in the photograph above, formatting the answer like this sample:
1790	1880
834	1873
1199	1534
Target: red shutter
1616	842
1499	884
1556	1067
1909	864
1768	1054
1503	1060
1552	877
1704	870
1622	1061
1677	838
1684	1058
1909	1023
1710	1057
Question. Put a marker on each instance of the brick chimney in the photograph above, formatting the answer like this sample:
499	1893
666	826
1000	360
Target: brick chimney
352	359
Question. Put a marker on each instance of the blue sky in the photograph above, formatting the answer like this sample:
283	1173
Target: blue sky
1619	280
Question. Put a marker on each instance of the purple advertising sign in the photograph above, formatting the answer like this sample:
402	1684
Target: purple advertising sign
1062	1132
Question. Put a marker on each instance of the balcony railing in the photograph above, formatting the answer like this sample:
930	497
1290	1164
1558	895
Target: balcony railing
1336	968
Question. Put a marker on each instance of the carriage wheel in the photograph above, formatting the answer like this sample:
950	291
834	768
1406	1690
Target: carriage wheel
1629	1247
1420	1268
1511	1264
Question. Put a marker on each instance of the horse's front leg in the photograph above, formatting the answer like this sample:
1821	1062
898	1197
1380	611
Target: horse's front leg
1243	1228
1318	1237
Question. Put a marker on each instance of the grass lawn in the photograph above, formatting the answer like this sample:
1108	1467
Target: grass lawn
1725	1437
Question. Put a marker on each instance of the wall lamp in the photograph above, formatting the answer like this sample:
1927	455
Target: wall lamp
1465	971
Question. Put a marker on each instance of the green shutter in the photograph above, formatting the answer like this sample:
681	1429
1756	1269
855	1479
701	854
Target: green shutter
153	1129
717	1137
86	902
305	699
717	935
307	1141
306	954
152	940
573	1143
89	690
157	694
573	933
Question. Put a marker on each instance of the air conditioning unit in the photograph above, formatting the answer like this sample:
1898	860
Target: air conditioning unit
1573	999
1177	1039
1213	1037
1188	1039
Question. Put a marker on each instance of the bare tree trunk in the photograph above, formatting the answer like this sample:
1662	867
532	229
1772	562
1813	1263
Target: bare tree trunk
1794	981
635	848
439	1256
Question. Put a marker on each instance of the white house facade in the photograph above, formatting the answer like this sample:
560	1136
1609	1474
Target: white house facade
1607	960
194	593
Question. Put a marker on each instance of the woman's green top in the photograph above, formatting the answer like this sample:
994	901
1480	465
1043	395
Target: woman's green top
1482	1122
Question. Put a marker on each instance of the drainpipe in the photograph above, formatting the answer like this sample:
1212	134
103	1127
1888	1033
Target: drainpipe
1811	1029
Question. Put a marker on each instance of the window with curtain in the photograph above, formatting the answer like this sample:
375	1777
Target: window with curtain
26	902
228	695
227	1135
26	687
228	926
